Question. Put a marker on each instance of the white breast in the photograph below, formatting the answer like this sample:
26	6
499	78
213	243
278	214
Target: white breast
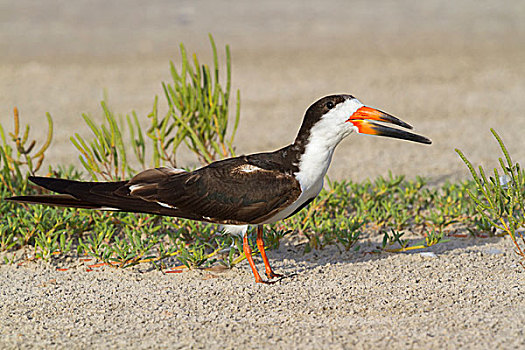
308	193
313	166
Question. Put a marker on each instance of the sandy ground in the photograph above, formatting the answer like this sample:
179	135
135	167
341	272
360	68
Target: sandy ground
452	71
471	295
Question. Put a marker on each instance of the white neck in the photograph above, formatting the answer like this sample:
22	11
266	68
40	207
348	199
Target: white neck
315	160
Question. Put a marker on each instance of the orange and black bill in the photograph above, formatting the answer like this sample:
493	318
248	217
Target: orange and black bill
362	120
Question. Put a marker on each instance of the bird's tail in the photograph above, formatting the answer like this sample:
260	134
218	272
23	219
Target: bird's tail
72	193
59	200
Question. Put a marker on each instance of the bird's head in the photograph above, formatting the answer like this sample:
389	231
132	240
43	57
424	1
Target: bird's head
337	116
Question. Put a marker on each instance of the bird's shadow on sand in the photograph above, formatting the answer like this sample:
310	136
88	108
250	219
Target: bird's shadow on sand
290	252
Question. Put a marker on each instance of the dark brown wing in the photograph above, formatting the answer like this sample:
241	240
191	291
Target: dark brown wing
233	191
242	190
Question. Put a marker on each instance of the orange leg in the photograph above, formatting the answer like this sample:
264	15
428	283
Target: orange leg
260	244
248	252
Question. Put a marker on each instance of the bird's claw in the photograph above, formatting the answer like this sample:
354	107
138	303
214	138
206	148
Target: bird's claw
272	274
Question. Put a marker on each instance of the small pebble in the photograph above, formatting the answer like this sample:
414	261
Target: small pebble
494	251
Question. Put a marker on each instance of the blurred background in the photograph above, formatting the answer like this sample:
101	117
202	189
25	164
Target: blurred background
451	69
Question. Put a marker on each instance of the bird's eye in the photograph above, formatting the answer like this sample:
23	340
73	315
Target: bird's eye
330	105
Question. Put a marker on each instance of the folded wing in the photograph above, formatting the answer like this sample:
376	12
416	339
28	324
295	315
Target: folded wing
229	192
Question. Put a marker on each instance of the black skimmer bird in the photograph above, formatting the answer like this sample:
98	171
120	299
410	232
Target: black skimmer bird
254	189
